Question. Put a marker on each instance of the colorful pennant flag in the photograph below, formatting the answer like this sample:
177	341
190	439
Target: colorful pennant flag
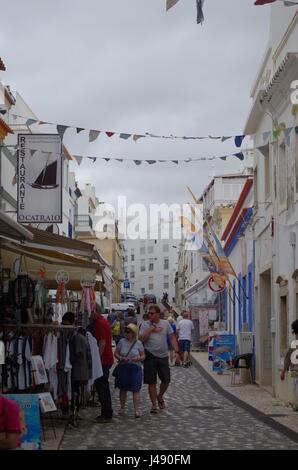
171	3
61	130
93	134
200	15
78	159
239	139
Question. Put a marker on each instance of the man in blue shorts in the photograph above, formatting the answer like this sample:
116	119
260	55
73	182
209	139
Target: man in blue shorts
185	329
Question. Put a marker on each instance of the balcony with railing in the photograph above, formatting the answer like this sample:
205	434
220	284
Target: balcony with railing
83	224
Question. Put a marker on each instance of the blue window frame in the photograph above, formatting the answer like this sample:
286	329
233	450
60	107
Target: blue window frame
243	292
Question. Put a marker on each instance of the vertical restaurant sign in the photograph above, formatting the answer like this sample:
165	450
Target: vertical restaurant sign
39	172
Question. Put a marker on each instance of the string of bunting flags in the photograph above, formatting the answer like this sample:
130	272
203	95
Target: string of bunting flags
263	149
200	3
93	134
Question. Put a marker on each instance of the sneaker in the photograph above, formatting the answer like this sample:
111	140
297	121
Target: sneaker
102	420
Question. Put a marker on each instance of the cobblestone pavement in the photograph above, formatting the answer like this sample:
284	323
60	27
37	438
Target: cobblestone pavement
197	416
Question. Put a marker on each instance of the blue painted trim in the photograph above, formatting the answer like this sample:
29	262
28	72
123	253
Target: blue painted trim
241	229
226	308
239	304
234	306
250	297
244	300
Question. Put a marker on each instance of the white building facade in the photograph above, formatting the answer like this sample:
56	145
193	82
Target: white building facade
276	199
151	265
17	114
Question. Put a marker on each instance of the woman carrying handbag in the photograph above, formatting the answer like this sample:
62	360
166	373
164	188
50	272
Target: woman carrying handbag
129	376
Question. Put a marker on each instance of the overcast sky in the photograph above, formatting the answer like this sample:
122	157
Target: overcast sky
128	66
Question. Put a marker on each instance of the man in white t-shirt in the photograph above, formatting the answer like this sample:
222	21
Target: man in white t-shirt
185	328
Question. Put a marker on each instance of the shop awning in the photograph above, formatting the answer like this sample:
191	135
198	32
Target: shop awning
65	245
50	252
9	229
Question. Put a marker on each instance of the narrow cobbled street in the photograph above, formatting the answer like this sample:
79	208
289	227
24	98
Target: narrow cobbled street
197	416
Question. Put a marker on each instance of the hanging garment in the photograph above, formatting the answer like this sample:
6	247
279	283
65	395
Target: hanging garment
21	369
79	357
96	360
27	359
2	353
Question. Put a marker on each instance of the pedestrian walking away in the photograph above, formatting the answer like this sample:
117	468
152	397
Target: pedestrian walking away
112	316
153	334
170	346
102	331
118	328
131	317
129	376
185	329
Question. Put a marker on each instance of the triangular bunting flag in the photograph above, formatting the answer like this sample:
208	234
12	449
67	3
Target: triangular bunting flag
93	159
125	136
80	129
119	159
3	111
171	3
264	149
61	130
107	159
138	162
239	155
175	161
41	123
137	137
162	161
32	152
30	122
93	135
78	159
223	139
200	15
151	162
110	134
288	136
223	158
238	140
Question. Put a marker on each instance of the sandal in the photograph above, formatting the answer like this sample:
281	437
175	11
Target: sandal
154	411
161	403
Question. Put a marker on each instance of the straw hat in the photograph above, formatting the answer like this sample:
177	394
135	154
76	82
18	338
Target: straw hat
133	328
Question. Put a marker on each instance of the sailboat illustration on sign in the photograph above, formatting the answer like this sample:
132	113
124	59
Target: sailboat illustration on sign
47	178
